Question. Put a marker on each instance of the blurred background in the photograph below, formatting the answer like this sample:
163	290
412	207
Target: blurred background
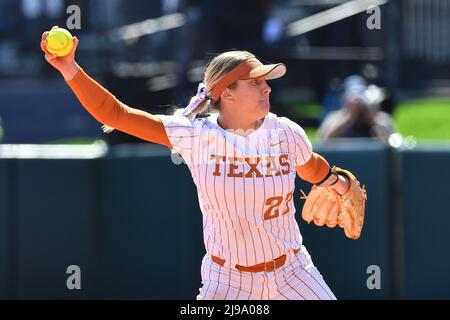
369	84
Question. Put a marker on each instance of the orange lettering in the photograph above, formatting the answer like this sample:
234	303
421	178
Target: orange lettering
273	206
288	198
217	168
274	203
285	163
233	167
253	168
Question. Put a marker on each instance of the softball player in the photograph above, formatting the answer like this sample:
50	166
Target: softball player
243	160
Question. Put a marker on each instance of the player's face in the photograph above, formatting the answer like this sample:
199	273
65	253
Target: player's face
251	97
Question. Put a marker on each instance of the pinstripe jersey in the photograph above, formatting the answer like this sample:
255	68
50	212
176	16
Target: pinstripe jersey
245	184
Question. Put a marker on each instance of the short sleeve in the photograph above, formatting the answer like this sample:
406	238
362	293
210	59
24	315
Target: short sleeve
181	133
302	146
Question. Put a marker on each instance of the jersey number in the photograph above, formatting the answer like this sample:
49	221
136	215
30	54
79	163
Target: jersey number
274	204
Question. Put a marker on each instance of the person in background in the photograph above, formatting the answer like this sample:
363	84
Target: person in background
359	116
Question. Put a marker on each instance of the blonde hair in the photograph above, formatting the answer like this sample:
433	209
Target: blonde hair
215	70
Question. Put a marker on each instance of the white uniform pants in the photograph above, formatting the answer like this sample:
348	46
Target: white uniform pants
297	279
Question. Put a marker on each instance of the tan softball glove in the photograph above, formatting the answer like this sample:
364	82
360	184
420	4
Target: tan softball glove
324	205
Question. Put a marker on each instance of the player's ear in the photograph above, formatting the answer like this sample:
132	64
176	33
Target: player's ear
227	95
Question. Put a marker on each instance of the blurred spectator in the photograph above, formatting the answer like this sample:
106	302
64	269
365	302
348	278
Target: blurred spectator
334	97
360	114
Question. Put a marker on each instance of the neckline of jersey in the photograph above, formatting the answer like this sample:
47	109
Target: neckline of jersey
213	119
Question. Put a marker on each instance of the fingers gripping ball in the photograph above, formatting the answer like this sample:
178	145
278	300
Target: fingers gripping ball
59	42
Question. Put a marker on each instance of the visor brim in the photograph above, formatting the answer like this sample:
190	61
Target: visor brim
268	71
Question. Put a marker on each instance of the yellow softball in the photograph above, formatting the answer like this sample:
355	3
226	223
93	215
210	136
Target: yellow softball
59	42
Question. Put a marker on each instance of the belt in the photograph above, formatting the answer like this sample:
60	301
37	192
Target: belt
260	267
